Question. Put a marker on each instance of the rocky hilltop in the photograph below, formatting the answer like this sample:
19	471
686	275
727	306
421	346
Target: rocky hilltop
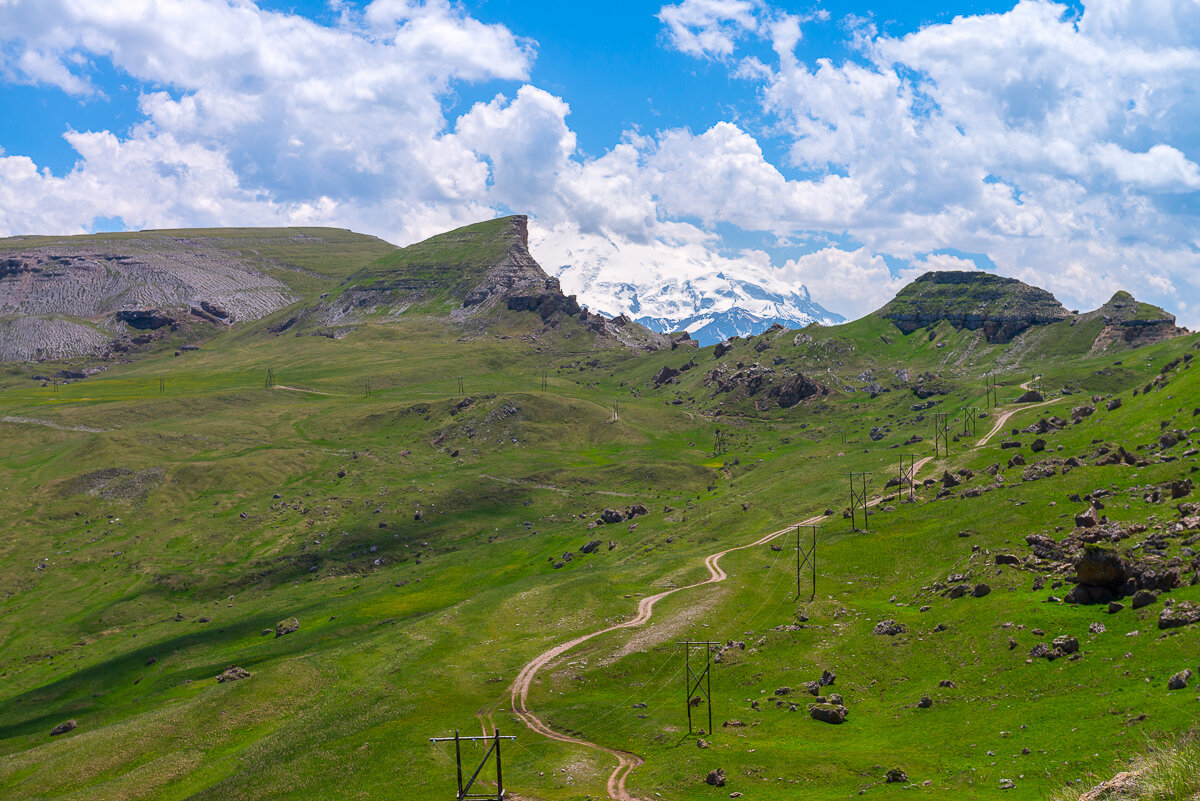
467	275
1130	322
1001	307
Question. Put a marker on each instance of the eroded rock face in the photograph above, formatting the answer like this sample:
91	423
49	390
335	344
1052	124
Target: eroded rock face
51	295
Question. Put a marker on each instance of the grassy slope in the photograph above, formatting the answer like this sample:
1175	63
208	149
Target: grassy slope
388	655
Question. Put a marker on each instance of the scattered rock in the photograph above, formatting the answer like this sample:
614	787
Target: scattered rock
664	375
715	777
981	590
611	516
895	776
1179	680
288	626
233	674
1143	598
1181	613
1065	645
64	727
925	703
1032	396
889	628
1099	566
828	713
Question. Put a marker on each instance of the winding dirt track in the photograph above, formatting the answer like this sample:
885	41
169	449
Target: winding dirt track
1002	419
626	761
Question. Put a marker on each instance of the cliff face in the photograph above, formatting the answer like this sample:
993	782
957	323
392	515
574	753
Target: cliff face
1001	307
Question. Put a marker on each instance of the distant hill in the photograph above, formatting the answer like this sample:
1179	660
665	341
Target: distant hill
1005	308
1002	307
62	297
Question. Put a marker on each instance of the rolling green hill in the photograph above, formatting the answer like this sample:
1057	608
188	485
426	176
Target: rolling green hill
417	493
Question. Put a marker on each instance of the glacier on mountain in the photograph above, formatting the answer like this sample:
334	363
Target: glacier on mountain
711	305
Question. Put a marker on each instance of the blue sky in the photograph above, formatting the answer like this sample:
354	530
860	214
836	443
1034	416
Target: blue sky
843	146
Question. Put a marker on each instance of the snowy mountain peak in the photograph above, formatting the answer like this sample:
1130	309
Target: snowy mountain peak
682	294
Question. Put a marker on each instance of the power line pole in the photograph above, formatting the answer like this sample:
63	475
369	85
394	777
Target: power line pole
970	417
270	377
464	792
719	445
162	385
367	388
858	499
694	679
807	558
941	433
908	474
993	391
460	386
616	411
545	381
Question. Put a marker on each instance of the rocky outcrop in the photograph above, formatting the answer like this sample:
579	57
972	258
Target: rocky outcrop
1000	307
1130	323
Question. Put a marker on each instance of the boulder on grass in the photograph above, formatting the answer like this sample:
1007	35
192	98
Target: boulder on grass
828	713
64	727
233	674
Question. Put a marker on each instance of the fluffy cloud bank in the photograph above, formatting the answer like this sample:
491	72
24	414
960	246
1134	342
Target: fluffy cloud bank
1063	147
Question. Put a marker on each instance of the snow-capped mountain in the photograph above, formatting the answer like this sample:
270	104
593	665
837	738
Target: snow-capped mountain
710	308
677	290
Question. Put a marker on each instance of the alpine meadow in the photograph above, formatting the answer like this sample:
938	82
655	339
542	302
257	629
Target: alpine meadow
357	497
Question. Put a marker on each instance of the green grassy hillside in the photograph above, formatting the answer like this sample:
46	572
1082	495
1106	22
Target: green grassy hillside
162	517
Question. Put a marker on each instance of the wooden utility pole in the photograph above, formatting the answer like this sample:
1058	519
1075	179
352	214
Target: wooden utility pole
464	791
